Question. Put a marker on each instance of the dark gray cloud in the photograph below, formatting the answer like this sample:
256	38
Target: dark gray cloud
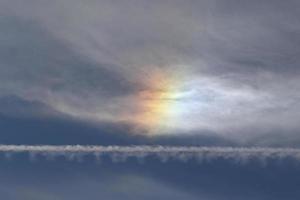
36	65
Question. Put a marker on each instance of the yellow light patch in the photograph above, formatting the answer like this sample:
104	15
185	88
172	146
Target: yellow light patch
156	103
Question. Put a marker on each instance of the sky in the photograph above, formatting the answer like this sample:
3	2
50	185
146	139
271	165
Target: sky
205	73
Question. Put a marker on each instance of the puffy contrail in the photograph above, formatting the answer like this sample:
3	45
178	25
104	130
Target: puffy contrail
164	153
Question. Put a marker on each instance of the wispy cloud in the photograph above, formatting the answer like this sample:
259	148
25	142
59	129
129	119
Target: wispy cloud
234	63
164	153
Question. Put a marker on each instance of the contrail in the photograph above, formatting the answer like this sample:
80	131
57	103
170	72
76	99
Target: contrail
164	153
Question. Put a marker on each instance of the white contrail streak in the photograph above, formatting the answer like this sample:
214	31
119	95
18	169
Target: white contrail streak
164	153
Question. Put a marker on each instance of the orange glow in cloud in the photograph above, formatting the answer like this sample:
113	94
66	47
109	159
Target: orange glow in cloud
156	103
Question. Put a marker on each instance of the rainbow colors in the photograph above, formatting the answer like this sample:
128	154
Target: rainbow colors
158	104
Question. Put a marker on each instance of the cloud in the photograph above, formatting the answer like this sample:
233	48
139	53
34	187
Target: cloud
164	153
72	72
236	61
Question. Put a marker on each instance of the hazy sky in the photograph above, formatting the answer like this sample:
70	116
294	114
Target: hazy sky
169	72
227	67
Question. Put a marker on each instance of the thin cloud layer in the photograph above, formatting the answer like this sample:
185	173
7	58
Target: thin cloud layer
193	99
164	67
164	153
